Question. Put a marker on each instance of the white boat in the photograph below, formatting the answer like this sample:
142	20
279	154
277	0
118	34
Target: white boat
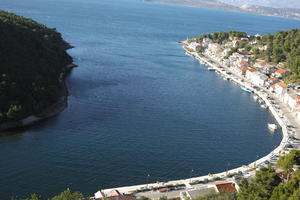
245	90
263	106
255	97
272	127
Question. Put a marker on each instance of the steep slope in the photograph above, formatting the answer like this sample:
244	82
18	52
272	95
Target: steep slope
32	61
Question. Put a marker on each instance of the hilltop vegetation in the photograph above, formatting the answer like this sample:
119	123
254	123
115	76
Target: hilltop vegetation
32	57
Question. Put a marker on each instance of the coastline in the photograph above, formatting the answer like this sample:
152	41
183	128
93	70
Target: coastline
48	112
225	175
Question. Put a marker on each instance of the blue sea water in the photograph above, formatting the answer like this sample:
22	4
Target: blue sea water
138	105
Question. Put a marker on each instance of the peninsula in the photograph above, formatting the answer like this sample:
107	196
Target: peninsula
33	63
287	8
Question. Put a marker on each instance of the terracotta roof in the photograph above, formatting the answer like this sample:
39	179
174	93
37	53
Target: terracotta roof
273	79
225	187
282	84
251	70
280	71
298	102
273	86
242	68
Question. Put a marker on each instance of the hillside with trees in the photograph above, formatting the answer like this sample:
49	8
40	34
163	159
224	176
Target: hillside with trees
33	59
281	48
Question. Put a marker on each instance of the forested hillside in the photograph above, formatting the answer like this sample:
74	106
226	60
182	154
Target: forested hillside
284	47
32	57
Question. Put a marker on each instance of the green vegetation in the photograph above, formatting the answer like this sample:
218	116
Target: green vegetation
283	46
216	196
65	195
220	37
32	57
288	161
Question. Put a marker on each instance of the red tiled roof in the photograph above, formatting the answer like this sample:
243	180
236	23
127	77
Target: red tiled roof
280	71
273	86
282	84
251	70
225	187
242	68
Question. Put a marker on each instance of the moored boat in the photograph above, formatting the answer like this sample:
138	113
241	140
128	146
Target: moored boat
245	90
272	127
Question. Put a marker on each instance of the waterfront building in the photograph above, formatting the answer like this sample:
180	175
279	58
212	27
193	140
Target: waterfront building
255	77
194	46
241	71
206	41
291	98
281	73
271	81
223	187
279	89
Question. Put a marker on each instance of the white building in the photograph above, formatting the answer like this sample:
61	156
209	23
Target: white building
194	46
279	89
291	98
255	77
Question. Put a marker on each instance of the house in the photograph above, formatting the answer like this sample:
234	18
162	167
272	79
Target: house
206	41
240	70
271	81
236	43
113	195
291	98
255	77
194	46
244	64
214	47
279	88
281	73
99	195
223	187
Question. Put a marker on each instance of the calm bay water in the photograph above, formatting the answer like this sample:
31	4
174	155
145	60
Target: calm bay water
138	105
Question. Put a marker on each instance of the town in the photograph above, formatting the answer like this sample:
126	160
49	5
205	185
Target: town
259	73
236	59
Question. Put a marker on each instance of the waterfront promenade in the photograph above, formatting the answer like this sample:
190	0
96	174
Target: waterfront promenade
284	117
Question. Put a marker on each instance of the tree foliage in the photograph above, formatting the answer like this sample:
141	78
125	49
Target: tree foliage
288	161
219	37
261	186
32	57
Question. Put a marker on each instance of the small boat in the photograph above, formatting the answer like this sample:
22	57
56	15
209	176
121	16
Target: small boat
255	97
263	106
272	127
211	69
245	90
